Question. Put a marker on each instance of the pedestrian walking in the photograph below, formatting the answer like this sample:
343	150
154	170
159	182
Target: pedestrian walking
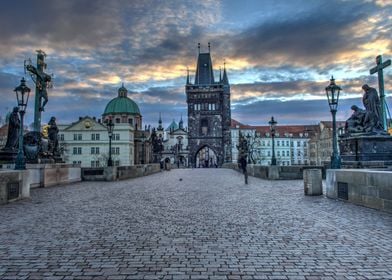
242	163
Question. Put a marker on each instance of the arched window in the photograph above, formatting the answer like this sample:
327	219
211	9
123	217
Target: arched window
204	126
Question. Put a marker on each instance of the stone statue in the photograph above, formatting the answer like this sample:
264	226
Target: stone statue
53	136
368	121
371	101
13	131
355	123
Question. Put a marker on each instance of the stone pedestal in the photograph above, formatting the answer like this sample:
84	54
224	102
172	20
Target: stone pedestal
313	182
356	149
273	172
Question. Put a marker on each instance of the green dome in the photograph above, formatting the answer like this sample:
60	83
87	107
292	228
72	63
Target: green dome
121	104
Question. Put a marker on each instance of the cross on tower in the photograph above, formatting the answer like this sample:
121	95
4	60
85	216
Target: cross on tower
379	70
42	82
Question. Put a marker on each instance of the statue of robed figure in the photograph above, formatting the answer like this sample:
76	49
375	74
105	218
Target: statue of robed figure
13	131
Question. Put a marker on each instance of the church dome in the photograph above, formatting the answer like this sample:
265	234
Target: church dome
122	104
172	126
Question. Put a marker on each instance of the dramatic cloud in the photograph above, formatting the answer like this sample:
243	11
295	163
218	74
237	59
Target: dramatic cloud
277	53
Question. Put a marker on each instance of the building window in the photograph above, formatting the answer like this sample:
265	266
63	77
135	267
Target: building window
95	163
95	136
77	150
118	120
298	143
130	121
75	137
278	143
278	153
115	150
95	150
116	163
116	136
269	153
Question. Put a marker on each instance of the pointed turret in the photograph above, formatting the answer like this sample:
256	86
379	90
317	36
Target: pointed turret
187	76
225	80
181	123
204	71
160	122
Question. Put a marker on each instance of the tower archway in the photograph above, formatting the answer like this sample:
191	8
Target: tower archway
206	157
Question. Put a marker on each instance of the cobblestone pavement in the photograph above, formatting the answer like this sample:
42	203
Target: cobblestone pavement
209	225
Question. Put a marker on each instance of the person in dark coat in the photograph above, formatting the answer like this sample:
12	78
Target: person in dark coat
242	162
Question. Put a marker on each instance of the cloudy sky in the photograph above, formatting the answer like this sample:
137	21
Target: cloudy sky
279	54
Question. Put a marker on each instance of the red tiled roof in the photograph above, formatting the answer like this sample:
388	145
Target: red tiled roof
4	130
295	130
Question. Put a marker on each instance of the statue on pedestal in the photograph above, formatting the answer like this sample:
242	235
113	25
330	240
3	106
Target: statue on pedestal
53	132
366	121
13	131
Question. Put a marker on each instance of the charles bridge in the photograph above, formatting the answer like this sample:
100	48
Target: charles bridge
191	224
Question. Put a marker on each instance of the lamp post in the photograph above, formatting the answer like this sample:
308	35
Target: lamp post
110	127
22	95
272	124
248	137
143	141
332	91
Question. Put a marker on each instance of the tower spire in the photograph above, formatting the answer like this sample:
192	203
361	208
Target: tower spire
225	80
220	74
181	123
198	46
209	47
187	75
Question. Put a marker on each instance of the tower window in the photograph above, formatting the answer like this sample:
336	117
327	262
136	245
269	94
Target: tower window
204	126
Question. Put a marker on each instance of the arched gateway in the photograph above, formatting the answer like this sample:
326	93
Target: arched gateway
206	158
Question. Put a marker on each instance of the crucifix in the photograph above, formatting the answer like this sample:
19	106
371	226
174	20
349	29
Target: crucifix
379	70
42	82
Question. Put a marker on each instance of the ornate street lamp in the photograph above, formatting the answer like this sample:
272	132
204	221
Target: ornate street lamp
143	152
272	124
110	128
332	91
22	95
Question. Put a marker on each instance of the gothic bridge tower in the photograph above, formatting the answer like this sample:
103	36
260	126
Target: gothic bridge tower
209	115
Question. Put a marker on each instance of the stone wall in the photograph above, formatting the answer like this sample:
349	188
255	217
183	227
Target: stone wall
48	175
275	172
119	173
364	187
13	185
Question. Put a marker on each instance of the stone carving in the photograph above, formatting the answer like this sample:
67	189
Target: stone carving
53	132
13	131
371	101
366	121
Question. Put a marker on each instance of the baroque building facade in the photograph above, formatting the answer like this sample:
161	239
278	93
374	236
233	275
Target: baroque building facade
209	115
294	144
86	141
175	143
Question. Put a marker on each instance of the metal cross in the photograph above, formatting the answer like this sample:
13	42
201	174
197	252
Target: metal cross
379	70
42	82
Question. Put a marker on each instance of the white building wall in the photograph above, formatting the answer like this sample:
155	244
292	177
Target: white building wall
123	140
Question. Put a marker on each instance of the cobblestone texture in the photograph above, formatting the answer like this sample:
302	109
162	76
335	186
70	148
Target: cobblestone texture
209	225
